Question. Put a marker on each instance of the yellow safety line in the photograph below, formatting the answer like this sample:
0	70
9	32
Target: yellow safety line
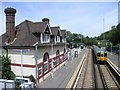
70	83
112	63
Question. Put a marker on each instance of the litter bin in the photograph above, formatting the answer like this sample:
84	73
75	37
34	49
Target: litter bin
76	53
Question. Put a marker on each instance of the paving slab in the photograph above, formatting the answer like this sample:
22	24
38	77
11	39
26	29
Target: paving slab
62	76
114	59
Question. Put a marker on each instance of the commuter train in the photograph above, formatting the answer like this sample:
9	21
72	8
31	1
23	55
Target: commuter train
101	55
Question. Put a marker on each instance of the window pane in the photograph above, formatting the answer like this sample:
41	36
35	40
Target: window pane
40	70
105	54
45	67
45	37
101	55
98	54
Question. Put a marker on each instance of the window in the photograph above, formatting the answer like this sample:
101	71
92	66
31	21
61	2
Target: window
46	38
58	38
101	55
40	70
105	54
45	67
50	64
57	52
98	54
46	35
45	59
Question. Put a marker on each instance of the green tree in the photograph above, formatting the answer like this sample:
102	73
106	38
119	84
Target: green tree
74	37
112	35
116	35
6	68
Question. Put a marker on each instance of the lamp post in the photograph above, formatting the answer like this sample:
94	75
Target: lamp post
21	51
36	61
118	56
52	59
65	44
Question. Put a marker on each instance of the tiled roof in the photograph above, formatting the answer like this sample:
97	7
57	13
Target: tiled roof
63	32
24	33
24	36
37	26
55	30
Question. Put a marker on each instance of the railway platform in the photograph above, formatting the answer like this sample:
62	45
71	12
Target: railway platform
62	76
115	60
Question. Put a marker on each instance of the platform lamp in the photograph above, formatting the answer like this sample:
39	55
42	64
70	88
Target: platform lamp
21	51
36	61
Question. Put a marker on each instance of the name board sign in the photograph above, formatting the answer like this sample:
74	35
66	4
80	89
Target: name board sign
22	50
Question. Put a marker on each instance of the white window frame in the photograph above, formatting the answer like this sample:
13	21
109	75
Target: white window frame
43	38
57	38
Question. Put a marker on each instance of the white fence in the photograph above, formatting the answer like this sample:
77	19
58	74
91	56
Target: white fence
7	84
10	84
27	86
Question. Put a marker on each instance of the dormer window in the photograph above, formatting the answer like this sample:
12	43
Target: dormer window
46	36
58	37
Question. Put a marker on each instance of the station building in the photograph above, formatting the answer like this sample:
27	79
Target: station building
29	42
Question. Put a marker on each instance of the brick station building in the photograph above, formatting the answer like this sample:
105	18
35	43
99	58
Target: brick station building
30	41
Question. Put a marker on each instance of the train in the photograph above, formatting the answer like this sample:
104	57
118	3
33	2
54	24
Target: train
101	55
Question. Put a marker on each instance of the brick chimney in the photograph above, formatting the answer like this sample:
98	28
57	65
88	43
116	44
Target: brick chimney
45	20
10	24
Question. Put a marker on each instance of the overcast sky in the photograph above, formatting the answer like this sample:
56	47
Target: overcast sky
78	17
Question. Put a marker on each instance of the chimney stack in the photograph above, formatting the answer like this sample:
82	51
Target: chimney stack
45	20
10	24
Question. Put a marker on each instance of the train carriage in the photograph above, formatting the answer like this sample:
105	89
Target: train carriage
101	55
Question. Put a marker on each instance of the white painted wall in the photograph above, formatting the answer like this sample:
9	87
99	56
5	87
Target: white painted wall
28	58
26	71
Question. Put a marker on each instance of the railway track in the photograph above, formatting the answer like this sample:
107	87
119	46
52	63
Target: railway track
108	79
96	76
86	77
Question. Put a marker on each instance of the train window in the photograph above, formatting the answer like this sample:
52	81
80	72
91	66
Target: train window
98	54
105	54
101	55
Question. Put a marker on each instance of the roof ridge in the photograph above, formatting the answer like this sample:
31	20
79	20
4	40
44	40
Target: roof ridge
55	27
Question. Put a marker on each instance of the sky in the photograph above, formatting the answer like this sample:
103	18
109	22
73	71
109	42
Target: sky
87	18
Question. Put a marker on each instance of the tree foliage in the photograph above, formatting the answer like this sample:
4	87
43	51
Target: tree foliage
79	38
74	37
6	68
89	41
115	38
112	35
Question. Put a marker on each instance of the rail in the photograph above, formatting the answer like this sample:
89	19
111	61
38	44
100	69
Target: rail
102	78
113	67
108	79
